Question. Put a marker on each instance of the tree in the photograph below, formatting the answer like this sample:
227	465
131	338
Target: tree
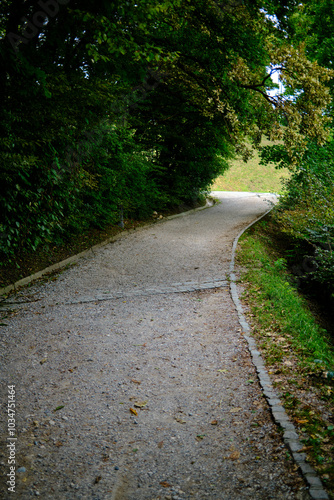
188	78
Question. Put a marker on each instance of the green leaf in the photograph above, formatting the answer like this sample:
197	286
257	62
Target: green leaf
58	408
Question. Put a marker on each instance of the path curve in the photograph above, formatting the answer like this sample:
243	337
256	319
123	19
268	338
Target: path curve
133	379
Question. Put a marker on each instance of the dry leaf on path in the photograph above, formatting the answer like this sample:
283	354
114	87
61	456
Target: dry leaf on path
140	404
234	410
133	411
180	420
199	437
165	484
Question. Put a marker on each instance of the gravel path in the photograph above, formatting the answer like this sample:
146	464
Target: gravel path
132	376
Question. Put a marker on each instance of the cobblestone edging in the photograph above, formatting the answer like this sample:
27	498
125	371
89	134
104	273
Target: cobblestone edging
290	436
74	258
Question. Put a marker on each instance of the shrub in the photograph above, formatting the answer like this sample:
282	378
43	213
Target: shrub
306	211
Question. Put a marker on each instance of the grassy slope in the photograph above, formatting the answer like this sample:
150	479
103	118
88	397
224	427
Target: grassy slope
298	352
251	176
296	349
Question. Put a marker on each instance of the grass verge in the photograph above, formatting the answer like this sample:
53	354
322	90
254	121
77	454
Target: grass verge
297	350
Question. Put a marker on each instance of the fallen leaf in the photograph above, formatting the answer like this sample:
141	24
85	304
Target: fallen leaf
160	445
58	443
133	411
305	448
222	371
180	420
304	421
58	408
97	479
135	381
234	410
214	422
165	484
43	361
199	437
140	404
234	455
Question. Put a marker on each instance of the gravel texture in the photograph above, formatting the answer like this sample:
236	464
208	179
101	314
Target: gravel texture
133	378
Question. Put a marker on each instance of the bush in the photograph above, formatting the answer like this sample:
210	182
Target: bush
306	211
96	176
83	186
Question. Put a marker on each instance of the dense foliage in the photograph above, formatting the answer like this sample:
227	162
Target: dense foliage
306	211
137	106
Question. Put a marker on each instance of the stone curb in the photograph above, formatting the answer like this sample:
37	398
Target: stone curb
75	258
290	436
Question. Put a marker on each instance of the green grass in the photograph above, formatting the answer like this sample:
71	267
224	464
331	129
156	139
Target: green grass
275	297
251	176
297	351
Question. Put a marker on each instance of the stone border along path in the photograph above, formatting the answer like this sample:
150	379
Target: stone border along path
280	416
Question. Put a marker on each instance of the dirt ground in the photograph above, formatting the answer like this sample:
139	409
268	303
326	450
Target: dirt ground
132	378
